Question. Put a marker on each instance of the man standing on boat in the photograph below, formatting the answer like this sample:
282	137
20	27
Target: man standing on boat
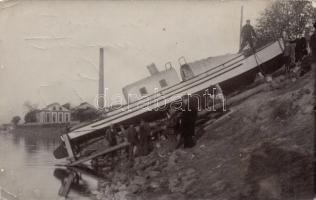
247	35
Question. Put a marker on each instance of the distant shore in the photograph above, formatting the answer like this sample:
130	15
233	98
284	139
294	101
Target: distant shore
47	131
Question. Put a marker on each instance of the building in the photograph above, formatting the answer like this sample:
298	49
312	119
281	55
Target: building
53	113
158	80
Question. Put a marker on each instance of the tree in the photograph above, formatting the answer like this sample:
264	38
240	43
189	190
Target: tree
67	105
15	120
30	116
84	114
283	15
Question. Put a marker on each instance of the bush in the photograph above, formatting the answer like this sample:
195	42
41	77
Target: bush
15	120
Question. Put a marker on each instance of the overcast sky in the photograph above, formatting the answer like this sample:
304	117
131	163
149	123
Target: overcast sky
49	50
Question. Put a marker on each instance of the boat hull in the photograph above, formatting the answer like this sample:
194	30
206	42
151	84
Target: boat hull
230	75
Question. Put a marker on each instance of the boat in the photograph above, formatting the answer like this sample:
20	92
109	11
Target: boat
229	75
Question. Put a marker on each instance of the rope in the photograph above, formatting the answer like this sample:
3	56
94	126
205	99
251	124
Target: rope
257	62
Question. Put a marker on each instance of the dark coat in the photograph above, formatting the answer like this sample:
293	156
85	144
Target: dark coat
247	32
300	48
144	134
132	135
188	119
111	136
313	46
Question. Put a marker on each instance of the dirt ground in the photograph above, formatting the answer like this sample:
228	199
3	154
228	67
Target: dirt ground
261	150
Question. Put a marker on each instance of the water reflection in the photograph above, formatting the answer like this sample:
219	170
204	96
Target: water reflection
27	169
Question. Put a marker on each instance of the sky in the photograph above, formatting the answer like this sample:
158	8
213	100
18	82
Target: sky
49	50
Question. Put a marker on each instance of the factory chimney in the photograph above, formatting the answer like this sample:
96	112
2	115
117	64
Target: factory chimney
101	80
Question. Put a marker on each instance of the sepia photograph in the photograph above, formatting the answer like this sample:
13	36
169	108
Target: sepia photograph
157	100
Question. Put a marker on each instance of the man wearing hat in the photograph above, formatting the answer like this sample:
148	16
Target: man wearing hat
247	35
313	45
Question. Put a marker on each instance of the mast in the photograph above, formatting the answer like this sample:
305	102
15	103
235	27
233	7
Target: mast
241	21
101	80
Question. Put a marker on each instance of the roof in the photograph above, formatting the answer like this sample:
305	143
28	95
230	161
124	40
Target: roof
49	105
159	74
203	65
52	104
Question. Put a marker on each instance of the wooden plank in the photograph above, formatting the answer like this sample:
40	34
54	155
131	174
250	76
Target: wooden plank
244	95
70	152
106	151
65	187
209	124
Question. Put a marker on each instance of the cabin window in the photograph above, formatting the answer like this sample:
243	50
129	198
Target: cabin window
163	83
60	117
143	91
54	108
60	108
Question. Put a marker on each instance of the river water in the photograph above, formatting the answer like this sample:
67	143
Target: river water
28	171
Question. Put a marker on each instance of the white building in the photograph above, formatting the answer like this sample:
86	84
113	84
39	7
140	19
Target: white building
157	81
53	113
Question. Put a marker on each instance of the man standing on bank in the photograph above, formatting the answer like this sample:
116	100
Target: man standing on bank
247	35
313	46
144	133
110	136
132	139
188	118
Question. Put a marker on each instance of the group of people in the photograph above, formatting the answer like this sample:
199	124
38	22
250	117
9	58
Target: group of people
296	52
137	139
178	130
299	53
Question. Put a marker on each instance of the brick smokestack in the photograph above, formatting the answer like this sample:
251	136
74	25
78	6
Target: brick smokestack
101	80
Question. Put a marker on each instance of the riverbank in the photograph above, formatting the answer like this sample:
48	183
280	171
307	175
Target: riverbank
261	150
